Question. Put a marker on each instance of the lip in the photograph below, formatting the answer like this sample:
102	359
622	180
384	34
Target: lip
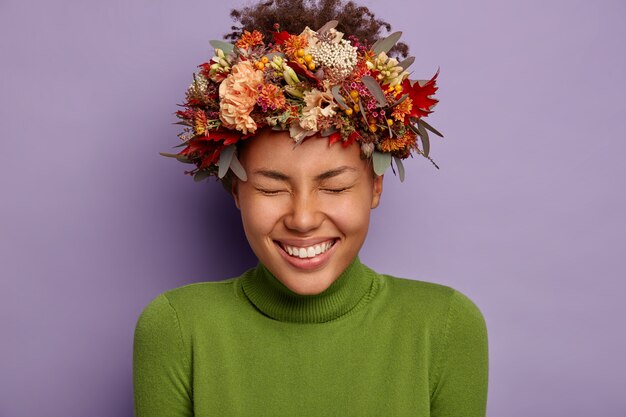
307	264
303	243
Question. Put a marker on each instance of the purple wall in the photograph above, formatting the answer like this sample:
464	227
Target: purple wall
526	215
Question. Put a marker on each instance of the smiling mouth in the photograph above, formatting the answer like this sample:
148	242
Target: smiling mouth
304	252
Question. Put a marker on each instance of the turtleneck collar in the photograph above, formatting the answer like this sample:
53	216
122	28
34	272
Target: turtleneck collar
274	299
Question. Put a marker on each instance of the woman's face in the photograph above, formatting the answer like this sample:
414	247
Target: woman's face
305	210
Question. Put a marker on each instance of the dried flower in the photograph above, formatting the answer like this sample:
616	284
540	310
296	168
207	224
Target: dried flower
294	44
200	123
307	83
238	95
403	109
250	40
270	96
401	146
367	148
318	104
389	72
341	56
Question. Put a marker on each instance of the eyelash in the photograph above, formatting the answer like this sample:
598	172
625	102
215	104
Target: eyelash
268	192
336	190
330	190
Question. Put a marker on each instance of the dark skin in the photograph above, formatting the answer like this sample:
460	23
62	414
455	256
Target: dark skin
227	181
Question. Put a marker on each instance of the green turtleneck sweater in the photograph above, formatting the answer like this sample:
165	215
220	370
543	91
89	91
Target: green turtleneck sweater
370	345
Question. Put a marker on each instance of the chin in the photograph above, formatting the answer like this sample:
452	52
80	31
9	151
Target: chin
309	276
308	285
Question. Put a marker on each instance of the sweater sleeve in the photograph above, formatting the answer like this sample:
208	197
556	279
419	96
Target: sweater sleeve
161	371
462	367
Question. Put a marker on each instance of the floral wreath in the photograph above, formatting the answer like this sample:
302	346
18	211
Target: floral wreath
314	82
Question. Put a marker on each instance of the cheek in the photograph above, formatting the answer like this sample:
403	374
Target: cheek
351	216
259	215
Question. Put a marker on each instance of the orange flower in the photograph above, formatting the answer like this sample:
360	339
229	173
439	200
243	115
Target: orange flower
293	43
401	146
200	121
403	109
250	40
270	96
238	95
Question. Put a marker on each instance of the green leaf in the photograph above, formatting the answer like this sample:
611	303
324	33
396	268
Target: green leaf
271	55
362	110
327	132
407	62
328	26
429	127
394	104
400	166
374	88
384	45
201	175
181	158
224	46
382	161
169	155
237	168
184	159
226	157
338	98
425	141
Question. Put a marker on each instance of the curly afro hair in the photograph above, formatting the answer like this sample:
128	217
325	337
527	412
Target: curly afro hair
294	15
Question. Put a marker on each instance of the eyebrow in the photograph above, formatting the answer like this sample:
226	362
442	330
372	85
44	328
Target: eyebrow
277	175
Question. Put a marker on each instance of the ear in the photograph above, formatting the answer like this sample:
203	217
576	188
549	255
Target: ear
234	190
377	190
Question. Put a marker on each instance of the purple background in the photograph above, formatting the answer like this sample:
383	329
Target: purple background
526	215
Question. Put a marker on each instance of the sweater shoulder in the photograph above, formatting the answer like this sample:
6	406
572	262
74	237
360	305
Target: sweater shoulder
199	291
201	299
429	299
413	291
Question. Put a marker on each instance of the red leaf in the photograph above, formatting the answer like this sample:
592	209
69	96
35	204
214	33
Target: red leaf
420	95
334	137
209	147
227	136
353	136
281	37
304	71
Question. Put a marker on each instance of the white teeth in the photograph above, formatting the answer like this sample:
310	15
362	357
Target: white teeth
308	252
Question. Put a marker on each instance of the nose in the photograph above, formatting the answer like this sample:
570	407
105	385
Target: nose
304	214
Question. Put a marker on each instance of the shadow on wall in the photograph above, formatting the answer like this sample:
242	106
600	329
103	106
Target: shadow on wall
230	255
215	250
233	250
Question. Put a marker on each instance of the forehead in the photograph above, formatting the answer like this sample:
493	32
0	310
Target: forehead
275	150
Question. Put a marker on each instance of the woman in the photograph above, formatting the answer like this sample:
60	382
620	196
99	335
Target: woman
310	331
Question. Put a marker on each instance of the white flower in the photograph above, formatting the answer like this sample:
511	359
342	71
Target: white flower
297	133
389	70
311	37
318	104
336	35
340	56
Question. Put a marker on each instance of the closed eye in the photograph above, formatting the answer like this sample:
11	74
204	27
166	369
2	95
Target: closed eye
336	190
269	192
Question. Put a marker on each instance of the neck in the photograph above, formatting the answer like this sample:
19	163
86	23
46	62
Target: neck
352	287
